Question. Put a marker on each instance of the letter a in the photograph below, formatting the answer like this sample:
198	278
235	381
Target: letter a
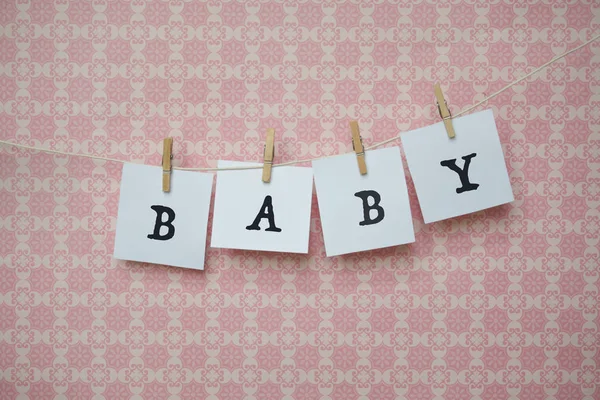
463	174
364	195
266	211
160	210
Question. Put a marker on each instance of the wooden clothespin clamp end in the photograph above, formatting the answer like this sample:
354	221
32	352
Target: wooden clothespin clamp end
444	111
269	155
166	164
358	147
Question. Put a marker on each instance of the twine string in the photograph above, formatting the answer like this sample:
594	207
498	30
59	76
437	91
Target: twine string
371	147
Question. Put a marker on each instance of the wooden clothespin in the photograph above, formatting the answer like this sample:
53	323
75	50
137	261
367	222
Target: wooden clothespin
358	147
269	155
444	111
166	164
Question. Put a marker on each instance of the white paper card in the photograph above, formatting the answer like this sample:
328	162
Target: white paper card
250	214
458	176
176	221
363	212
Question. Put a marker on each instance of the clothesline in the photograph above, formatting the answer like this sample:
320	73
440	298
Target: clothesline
373	146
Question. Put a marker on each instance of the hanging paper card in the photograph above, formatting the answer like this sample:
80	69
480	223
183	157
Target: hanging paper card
250	214
458	176
363	212
163	228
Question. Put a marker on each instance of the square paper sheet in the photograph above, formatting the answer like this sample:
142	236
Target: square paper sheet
189	200
241	195
338	181
441	190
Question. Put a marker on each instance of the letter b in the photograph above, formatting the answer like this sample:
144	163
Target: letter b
160	210
364	196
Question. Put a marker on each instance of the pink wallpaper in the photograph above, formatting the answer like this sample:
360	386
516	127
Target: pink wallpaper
495	305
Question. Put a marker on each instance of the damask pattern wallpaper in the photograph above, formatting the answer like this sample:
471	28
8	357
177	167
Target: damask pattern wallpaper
501	304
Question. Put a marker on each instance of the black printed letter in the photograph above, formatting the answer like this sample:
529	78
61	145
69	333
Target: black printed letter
266	211
160	210
364	195
463	174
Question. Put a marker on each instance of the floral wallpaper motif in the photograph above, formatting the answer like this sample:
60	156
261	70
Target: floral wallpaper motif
501	304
